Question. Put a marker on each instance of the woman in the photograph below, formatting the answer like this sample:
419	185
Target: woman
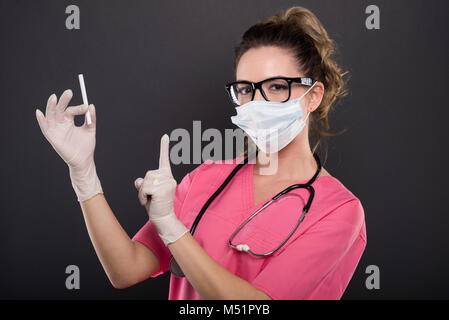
317	260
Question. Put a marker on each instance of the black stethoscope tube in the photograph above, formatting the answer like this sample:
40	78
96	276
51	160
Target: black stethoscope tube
219	190
174	267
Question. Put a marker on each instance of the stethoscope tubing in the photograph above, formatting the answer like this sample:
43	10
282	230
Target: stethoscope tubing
174	267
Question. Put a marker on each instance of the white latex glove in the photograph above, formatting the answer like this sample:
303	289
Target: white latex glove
160	186
75	145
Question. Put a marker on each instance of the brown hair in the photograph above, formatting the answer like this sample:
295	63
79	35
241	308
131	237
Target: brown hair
300	31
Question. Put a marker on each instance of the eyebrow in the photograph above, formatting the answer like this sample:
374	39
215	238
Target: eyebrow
278	76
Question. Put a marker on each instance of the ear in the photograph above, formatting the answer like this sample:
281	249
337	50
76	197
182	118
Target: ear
315	96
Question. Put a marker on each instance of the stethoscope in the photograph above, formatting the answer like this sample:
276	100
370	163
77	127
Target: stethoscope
174	267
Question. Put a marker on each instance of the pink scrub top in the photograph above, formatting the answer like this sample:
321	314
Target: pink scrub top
317	262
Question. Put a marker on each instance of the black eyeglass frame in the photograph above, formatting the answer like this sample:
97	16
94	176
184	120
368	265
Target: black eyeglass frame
258	85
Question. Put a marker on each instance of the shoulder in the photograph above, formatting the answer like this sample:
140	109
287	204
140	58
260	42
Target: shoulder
333	190
338	202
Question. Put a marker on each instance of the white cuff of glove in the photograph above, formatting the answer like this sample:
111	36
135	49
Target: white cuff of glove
169	228
85	183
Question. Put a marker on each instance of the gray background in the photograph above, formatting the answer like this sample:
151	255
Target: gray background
153	66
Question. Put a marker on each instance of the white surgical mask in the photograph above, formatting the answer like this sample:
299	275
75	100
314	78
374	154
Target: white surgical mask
271	125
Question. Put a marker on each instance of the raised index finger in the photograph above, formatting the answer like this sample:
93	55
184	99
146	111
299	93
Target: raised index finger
164	157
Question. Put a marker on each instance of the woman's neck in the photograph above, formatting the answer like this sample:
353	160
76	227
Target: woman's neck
294	162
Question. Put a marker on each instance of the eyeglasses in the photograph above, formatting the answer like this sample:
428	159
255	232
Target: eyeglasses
276	89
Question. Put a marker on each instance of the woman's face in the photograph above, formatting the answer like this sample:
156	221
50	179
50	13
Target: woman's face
261	63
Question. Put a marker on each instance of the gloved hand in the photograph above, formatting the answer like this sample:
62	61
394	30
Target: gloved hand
160	186
75	145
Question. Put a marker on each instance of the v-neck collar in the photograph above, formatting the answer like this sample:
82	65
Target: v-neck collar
249	173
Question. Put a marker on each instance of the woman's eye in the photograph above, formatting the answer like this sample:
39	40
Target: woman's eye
278	87
245	90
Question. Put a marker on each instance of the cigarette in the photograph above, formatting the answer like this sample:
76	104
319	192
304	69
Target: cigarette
84	94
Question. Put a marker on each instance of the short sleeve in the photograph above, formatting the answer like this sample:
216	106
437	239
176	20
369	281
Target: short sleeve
319	263
148	234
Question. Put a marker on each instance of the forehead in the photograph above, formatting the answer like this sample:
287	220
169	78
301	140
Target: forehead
261	63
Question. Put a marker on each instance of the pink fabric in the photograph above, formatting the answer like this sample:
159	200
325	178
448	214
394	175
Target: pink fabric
317	262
